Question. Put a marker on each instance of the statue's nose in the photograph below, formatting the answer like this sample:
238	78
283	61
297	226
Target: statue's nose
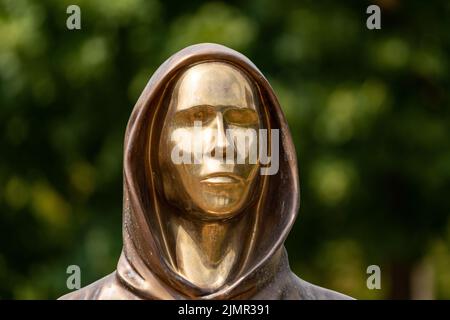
221	142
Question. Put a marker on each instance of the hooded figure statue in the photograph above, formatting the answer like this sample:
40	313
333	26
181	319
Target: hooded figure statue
209	228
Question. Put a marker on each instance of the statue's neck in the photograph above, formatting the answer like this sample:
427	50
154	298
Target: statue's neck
207	252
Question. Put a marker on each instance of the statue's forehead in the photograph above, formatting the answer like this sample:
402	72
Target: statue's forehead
215	84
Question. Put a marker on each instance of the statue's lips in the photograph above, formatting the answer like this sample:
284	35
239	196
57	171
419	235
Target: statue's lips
221	179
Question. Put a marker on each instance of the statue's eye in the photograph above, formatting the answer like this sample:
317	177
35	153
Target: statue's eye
188	117
241	116
200	116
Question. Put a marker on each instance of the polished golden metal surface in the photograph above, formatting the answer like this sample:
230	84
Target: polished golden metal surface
213	228
218	97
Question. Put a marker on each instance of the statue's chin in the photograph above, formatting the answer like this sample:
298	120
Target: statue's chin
221	209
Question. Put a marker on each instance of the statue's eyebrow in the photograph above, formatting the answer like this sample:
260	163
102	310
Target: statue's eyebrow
222	108
183	109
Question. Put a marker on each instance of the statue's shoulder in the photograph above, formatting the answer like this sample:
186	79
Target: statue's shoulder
301	289
100	289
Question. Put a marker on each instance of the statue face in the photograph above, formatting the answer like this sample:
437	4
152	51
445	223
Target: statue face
211	109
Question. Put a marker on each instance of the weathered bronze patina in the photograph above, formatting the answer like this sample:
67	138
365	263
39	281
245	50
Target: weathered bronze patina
207	230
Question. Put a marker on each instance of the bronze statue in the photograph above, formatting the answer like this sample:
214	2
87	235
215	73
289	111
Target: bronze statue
207	229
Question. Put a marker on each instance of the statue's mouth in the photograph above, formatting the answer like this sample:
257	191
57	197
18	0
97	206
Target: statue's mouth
221	178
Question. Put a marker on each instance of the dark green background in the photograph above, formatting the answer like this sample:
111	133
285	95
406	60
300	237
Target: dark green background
369	112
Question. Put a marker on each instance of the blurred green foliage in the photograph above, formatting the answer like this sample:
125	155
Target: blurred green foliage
369	112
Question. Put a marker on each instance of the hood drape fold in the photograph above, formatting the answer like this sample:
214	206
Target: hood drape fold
145	265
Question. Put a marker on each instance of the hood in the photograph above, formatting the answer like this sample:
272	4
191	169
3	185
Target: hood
145	267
